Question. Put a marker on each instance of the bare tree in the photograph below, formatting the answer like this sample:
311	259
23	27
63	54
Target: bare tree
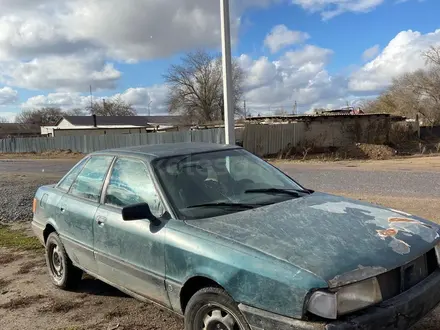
280	112
112	107
196	87
319	110
3	120
44	117
414	93
75	112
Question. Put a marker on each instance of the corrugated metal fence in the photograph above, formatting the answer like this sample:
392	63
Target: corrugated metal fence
267	140
87	144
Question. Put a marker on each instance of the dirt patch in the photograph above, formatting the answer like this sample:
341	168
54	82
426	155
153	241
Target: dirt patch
57	305
4	284
29	266
22	302
8	258
375	152
31	302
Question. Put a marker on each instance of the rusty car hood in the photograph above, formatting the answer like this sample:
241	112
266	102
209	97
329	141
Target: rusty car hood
328	235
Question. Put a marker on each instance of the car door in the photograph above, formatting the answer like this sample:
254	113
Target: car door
77	210
131	254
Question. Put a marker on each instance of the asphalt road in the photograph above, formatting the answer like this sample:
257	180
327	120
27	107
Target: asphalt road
49	166
324	178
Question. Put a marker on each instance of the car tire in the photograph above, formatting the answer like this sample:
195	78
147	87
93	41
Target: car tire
213	308
63	273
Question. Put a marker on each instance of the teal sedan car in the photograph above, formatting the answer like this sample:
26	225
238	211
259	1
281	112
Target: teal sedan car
230	242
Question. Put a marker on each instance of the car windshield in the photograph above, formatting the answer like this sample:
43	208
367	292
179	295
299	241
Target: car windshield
217	183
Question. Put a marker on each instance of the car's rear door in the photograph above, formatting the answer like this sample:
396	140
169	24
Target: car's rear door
131	254
77	210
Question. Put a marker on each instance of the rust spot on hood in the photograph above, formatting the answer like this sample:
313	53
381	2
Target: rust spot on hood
390	232
406	220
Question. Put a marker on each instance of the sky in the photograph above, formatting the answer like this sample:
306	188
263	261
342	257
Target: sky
317	53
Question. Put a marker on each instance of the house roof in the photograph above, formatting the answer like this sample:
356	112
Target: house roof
15	128
143	121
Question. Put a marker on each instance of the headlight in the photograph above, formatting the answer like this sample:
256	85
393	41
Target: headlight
346	299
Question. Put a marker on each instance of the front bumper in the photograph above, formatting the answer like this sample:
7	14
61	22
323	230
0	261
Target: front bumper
400	312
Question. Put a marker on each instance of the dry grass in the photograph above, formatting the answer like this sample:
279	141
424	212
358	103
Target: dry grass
22	302
16	239
55	154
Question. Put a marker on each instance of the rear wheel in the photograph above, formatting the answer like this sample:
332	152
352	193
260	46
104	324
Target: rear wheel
213	309
61	270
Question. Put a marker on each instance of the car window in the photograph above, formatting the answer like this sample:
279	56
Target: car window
130	183
199	185
67	181
89	182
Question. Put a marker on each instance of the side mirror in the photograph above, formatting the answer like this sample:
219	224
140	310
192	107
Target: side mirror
139	212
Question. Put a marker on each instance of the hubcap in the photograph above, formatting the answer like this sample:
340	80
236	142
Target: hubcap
218	319
57	262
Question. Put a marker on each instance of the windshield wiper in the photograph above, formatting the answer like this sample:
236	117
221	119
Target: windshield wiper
293	192
236	205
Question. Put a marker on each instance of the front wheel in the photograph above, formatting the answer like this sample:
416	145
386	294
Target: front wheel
213	309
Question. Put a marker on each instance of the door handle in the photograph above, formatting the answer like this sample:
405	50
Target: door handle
101	220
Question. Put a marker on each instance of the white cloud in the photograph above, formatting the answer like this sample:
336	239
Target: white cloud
61	100
68	73
68	44
371	53
138	97
281	37
332	8
8	96
141	97
298	75
129	30
403	54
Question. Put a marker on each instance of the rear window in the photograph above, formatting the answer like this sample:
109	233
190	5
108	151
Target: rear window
67	181
89	182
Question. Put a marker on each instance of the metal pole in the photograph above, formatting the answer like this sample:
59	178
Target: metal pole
227	73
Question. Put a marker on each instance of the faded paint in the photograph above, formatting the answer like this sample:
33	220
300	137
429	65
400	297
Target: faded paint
391	224
359	274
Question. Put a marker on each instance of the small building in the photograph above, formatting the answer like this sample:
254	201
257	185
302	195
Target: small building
103	125
8	130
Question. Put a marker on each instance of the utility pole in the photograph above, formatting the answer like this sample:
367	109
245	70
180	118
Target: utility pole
149	108
227	72
91	98
244	108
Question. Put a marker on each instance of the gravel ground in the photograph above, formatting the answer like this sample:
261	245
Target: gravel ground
17	193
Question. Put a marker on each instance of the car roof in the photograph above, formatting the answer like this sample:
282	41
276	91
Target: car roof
168	149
